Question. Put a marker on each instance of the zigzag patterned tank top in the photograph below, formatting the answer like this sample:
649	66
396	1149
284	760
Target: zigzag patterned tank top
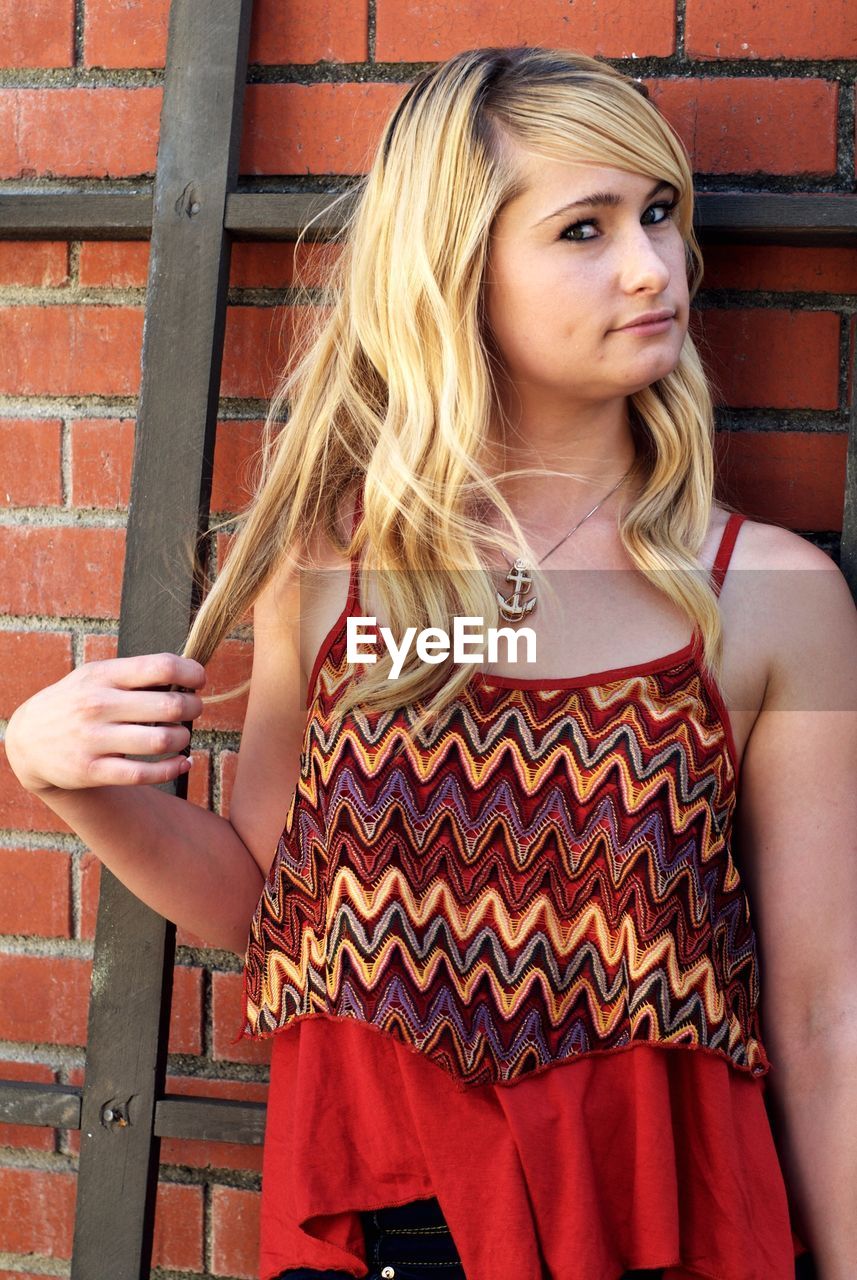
549	873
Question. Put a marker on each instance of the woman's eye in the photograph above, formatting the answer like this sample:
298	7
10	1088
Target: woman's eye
666	206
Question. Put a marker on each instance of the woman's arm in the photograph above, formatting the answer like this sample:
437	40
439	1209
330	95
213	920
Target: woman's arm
67	745
796	830
184	862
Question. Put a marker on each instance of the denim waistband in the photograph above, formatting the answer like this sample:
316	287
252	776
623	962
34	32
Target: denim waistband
413	1242
408	1241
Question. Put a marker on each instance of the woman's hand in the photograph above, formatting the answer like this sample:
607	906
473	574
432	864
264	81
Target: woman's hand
77	732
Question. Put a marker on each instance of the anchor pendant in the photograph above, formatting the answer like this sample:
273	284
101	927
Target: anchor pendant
513	608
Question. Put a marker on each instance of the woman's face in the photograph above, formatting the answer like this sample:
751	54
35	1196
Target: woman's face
561	282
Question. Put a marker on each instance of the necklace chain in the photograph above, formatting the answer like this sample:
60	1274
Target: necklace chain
586	517
514	607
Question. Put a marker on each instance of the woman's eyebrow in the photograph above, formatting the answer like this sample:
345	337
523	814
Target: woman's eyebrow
600	198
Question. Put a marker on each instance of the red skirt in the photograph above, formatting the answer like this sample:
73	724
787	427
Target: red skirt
641	1157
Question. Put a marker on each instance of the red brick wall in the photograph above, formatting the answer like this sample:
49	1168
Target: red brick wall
767	106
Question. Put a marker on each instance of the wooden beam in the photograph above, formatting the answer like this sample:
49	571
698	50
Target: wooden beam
764	217
76	215
133	965
58	1106
210	1119
27	1102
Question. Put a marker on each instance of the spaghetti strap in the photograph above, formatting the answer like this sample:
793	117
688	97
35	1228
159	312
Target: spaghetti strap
351	602
724	551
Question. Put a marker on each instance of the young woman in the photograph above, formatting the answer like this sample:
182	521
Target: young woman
499	911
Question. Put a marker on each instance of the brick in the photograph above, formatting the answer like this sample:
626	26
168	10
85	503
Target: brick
235	1225
780	268
79	133
223	543
762	29
313	128
99	647
729	124
235	462
791	478
227	1015
21	811
114	264
37	1212
36	896
70	571
252	360
34	1137
198	1154
733	125
750	353
274	265
257	349
228	770
30	458
41	264
186	1010
125	33
198	791
37	34
430	31
177	1241
229	666
44	999
70	350
329	31
90	887
129	33
29	661
102	451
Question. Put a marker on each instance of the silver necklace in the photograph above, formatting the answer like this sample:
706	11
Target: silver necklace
513	608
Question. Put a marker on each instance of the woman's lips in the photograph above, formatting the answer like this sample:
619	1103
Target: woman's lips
653	326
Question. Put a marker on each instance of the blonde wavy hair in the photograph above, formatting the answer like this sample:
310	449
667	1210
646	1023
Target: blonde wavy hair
391	387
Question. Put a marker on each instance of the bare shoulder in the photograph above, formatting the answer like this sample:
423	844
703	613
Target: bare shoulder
802	612
771	546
